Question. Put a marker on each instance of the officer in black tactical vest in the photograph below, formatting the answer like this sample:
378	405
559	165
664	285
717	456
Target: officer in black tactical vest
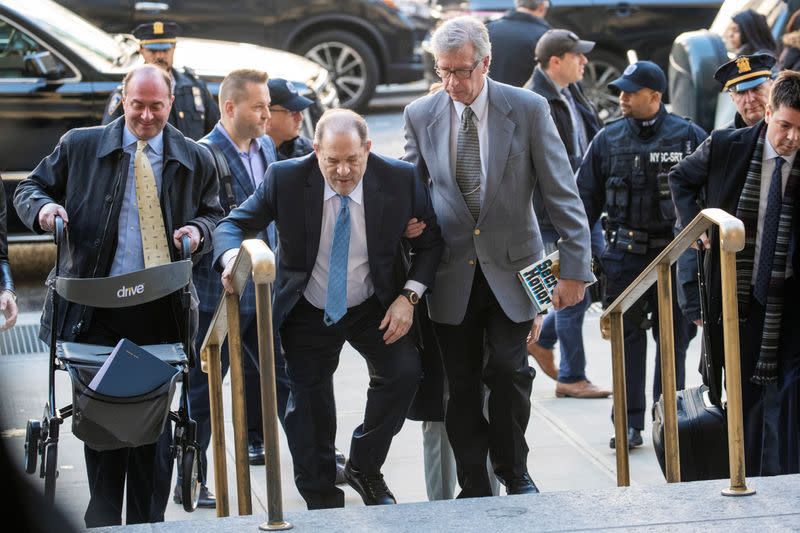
194	111
624	173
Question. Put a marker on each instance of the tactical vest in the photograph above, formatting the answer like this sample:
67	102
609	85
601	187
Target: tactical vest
637	191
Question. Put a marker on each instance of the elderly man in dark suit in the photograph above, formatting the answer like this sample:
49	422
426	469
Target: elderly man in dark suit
485	146
341	213
754	173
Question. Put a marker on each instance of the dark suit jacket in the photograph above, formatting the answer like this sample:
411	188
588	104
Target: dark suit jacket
291	196
206	278
514	37
713	176
86	174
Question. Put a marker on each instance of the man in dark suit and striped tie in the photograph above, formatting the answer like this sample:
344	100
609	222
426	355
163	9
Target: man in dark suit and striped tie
754	173
341	213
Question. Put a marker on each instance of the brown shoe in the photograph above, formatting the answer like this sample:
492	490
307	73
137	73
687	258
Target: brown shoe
545	358
580	389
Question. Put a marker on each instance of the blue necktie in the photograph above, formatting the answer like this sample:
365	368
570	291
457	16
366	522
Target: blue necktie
336	299
769	233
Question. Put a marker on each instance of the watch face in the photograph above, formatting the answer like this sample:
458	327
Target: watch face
412	297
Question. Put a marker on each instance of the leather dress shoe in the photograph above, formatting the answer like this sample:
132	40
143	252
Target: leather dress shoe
521	485
371	487
634	439
545	358
255	453
580	389
341	460
206	498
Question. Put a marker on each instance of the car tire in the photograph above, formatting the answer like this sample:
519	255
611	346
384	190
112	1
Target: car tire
603	68
351	62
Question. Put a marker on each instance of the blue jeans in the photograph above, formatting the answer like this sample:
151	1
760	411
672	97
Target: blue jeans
566	325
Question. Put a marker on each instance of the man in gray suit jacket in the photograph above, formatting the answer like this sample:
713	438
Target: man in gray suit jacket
484	146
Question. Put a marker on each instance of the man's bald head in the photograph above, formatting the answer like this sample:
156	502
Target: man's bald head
335	121
148	72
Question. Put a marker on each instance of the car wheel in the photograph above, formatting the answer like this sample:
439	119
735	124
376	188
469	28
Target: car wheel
351	62
603	68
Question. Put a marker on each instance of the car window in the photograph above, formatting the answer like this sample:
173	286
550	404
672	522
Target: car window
91	43
15	46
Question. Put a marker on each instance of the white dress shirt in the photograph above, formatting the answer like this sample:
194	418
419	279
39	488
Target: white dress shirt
480	110
767	168
359	280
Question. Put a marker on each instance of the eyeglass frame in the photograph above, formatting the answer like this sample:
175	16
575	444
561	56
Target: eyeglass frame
283	110
451	72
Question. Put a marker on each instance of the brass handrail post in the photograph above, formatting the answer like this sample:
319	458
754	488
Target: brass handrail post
620	400
238	407
269	408
666	341
733	377
212	365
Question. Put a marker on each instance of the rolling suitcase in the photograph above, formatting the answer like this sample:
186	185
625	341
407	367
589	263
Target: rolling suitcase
702	423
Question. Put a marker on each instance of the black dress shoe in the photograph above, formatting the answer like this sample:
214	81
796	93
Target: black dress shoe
255	453
371	487
634	439
521	485
206	498
340	462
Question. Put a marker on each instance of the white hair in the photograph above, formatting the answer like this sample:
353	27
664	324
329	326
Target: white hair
458	32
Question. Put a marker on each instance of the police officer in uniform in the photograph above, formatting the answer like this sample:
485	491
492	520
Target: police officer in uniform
747	80
194	111
624	172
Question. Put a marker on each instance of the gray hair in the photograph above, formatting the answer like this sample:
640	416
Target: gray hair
459	32
341	121
146	71
529	4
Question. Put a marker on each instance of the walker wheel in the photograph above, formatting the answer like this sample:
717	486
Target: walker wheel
50	471
32	434
190	485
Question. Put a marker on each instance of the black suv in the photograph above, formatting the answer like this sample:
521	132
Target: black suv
647	27
362	43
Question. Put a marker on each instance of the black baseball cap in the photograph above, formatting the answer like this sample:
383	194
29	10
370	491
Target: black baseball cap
157	35
640	75
559	42
745	72
283	93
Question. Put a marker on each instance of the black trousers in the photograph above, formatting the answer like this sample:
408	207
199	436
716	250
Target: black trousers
146	469
198	394
771	413
312	354
505	371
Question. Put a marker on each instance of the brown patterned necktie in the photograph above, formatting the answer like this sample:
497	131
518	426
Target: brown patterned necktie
151	222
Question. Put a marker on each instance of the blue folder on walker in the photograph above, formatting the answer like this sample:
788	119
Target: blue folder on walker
131	371
540	279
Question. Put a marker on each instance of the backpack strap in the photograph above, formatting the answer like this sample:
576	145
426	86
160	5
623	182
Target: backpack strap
223	171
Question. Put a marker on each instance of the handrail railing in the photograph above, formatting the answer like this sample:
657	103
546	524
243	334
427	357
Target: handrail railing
731	233
257	260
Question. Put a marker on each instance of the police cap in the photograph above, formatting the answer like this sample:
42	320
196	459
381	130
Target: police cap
641	75
745	72
157	35
284	94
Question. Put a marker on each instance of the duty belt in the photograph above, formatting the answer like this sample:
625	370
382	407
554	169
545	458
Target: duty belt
635	241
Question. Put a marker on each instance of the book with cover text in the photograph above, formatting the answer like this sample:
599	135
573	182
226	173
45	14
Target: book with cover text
131	371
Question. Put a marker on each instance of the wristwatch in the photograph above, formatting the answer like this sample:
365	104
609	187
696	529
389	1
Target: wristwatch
412	296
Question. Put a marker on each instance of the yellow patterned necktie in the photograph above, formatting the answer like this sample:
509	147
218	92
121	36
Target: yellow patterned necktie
151	222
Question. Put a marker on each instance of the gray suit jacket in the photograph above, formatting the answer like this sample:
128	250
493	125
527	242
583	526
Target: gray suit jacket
525	151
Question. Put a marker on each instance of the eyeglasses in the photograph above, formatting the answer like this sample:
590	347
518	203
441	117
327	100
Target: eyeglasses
282	110
460	73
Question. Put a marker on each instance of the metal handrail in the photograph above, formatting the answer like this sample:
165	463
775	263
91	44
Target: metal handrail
255	260
731	237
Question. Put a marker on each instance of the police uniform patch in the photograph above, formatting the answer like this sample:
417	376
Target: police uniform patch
113	103
630	69
198	99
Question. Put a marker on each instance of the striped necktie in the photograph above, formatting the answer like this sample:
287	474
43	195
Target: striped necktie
468	163
151	222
